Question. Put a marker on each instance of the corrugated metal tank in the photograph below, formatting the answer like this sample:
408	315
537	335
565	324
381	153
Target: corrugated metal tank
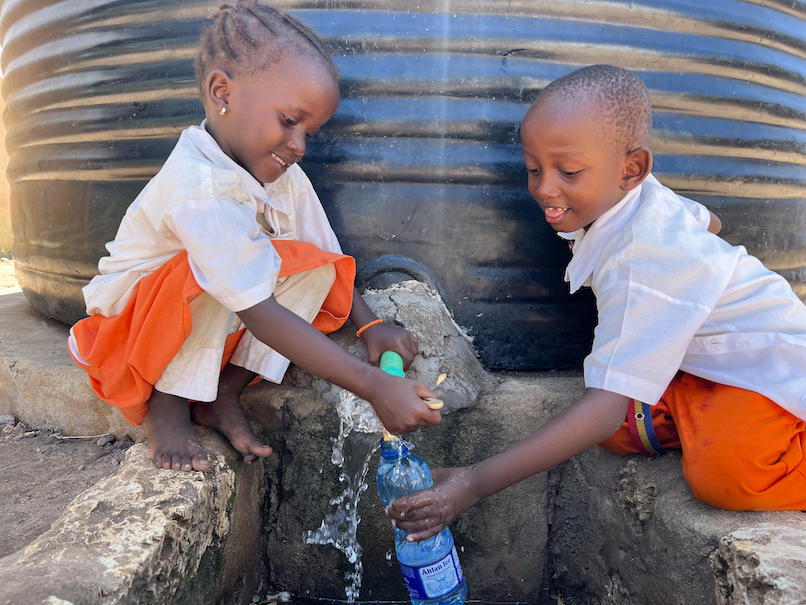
420	170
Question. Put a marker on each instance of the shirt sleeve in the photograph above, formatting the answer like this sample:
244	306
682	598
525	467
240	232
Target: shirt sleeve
229	255
700	212
639	341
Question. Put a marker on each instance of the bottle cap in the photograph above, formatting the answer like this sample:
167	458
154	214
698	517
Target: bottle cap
393	447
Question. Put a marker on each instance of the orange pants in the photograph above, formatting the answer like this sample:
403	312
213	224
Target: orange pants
741	451
125	355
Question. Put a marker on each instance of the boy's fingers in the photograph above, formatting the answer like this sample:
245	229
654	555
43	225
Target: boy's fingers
411	506
418	536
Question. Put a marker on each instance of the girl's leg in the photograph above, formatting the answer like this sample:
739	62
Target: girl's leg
195	374
170	435
226	415
303	293
741	451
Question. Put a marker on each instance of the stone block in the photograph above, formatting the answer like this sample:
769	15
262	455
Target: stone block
147	535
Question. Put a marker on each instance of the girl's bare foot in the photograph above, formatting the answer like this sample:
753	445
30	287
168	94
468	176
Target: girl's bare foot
170	434
226	415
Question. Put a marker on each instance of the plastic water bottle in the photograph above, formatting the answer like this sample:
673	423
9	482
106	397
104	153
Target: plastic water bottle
431	567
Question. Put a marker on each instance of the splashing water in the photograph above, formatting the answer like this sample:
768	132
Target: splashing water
352	449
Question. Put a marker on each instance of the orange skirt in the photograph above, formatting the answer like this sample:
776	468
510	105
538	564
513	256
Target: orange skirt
741	451
126	354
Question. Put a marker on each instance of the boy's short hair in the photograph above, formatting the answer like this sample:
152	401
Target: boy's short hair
619	94
251	36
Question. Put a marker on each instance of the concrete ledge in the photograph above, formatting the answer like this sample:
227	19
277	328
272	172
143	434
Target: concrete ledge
629	531
40	384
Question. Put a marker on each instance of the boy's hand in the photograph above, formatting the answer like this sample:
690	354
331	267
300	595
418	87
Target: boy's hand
387	337
428	512
399	404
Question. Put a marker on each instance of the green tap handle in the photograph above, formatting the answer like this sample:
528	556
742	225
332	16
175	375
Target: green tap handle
392	363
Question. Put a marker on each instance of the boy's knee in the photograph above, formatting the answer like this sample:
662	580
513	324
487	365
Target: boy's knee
731	482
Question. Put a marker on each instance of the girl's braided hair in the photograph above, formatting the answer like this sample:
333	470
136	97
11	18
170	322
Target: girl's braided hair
250	37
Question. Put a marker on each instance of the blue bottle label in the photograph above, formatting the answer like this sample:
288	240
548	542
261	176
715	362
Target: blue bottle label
434	580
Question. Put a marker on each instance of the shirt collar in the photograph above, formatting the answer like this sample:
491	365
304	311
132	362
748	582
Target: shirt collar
588	245
264	194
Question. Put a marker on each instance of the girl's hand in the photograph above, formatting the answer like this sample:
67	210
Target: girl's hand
388	337
399	404
428	512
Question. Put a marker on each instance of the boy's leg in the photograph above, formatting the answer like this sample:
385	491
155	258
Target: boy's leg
170	435
741	451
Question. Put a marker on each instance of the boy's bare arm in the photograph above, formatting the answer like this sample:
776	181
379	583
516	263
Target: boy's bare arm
397	401
591	420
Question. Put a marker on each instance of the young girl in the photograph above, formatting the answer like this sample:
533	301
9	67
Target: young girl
225	266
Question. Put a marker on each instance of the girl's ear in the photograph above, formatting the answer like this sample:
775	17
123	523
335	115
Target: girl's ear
637	166
217	90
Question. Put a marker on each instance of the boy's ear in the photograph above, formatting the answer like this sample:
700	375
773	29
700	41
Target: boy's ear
637	166
217	90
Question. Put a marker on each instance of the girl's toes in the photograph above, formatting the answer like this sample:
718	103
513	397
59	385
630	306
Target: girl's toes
187	465
166	460
199	462
176	462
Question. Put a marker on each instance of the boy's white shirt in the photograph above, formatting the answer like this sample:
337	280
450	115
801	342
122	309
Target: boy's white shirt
672	296
203	202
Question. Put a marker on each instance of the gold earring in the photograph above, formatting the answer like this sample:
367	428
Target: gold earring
223	111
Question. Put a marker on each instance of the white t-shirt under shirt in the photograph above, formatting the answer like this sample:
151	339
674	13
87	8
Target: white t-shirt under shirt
671	295
203	202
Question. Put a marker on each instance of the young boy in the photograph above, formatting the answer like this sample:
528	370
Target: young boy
714	342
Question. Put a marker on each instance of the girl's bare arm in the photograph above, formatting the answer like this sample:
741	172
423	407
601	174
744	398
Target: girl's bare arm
397	401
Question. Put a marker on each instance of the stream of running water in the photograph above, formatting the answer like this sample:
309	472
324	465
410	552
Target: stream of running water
357	440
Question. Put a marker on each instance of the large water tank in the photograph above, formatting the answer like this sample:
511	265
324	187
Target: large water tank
420	170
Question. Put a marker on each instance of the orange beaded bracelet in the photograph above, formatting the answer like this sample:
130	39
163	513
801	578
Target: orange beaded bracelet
369	325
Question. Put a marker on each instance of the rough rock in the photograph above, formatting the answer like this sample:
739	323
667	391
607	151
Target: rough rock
762	565
446	351
147	536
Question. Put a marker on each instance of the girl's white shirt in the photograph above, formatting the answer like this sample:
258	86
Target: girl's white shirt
203	202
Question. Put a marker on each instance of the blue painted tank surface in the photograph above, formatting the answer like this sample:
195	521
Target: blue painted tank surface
420	170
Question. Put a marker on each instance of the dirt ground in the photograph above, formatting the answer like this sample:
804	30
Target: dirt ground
7	279
42	469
